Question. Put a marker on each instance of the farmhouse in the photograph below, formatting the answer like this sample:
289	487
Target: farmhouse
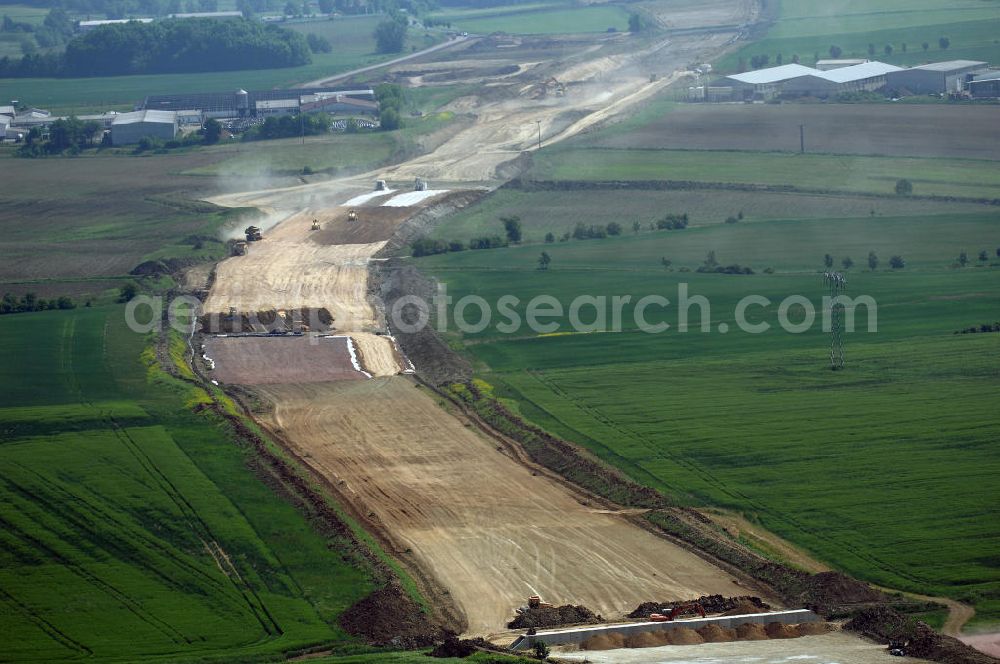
935	77
128	128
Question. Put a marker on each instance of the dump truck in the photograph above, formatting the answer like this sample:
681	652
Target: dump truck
315	224
419	185
253	234
352	215
380	185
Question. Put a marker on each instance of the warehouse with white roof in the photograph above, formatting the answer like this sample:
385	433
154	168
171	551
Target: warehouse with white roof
797	80
936	77
865	77
130	128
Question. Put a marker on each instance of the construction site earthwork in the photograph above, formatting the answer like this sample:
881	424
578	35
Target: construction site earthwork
507	547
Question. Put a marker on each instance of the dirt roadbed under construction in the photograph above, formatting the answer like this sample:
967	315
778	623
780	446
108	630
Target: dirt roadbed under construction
477	522
491	530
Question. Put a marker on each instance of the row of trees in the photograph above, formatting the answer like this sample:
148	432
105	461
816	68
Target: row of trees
429	247
895	262
984	257
764	60
289	126
70	135
11	304
169	46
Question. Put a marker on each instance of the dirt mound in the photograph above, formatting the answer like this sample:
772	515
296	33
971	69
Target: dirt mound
452	646
751	632
390	617
744	608
711	603
685	636
713	633
604	642
928	644
648	639
777	630
833	589
267	321
885	624
554	617
813	628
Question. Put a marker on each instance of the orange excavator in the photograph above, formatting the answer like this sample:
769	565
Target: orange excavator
678	610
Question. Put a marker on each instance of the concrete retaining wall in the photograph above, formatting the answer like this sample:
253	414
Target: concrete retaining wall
577	635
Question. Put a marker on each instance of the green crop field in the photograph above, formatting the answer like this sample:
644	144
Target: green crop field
757	422
131	526
538	19
330	153
811	27
882	470
942	177
557	212
353	43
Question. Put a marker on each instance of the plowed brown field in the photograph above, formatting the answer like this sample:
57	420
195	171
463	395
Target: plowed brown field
490	530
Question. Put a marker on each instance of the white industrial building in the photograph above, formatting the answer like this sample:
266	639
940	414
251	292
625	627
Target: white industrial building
827	65
763	83
845	76
936	77
864	77
130	128
797	80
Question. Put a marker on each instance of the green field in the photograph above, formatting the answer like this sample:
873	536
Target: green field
755	422
558	212
810	27
335	154
353	43
132	527
540	18
941	177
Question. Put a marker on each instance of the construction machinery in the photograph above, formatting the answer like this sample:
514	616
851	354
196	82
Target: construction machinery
419	185
534	602
380	185
315	224
253	234
352	216
677	610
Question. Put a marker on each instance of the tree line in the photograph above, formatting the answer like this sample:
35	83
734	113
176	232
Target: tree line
11	304
169	46
835	52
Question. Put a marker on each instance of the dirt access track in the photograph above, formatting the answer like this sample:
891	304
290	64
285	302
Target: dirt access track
490	529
